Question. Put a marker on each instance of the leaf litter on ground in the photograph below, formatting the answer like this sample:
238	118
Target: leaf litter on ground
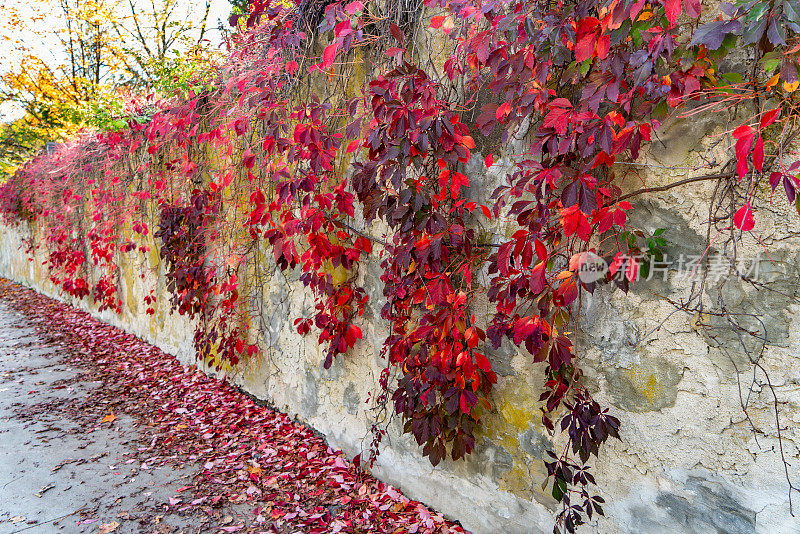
245	453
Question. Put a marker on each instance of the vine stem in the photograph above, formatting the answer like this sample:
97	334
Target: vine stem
717	176
705	177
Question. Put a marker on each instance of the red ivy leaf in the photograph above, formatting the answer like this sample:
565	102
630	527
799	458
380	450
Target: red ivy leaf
248	159
463	404
769	117
483	362
673	8
363	244
758	154
575	222
395	52
632	269
692	8
502	112
789	187
774	180
353	7
328	56
458	181
603	46
568	291
743	145
585	47
541	250
352	334
742	131
743	219
352	146
447	25
397	33
343	29
436	22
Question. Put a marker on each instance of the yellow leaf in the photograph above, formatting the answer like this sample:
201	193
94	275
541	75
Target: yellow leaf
791	87
564	274
110	418
773	81
340	275
447	25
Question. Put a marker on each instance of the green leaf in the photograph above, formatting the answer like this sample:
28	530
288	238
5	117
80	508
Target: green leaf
732	77
660	110
559	489
770	62
757	11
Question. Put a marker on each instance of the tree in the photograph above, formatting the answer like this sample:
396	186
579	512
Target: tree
154	33
98	47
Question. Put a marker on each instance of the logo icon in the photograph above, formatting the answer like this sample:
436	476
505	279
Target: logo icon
589	266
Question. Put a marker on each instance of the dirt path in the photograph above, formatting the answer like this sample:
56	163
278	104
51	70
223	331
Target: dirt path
100	432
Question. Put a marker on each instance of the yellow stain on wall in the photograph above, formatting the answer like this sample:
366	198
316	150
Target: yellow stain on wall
517	409
644	382
153	258
126	273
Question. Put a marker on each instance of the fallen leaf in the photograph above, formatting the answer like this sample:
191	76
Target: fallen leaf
265	452
44	489
105	528
110	418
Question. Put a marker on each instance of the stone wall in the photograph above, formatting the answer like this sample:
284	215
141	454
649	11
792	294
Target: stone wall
688	461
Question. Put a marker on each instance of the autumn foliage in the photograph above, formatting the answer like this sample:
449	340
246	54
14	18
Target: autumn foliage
245	453
332	135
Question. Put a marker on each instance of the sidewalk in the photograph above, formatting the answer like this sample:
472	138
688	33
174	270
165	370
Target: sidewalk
101	432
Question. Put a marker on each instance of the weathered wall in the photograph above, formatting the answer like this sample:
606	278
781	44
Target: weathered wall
688	460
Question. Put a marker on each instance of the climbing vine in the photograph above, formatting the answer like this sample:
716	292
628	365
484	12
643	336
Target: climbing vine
336	131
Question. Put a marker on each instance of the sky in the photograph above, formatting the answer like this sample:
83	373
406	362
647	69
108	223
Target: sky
39	33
